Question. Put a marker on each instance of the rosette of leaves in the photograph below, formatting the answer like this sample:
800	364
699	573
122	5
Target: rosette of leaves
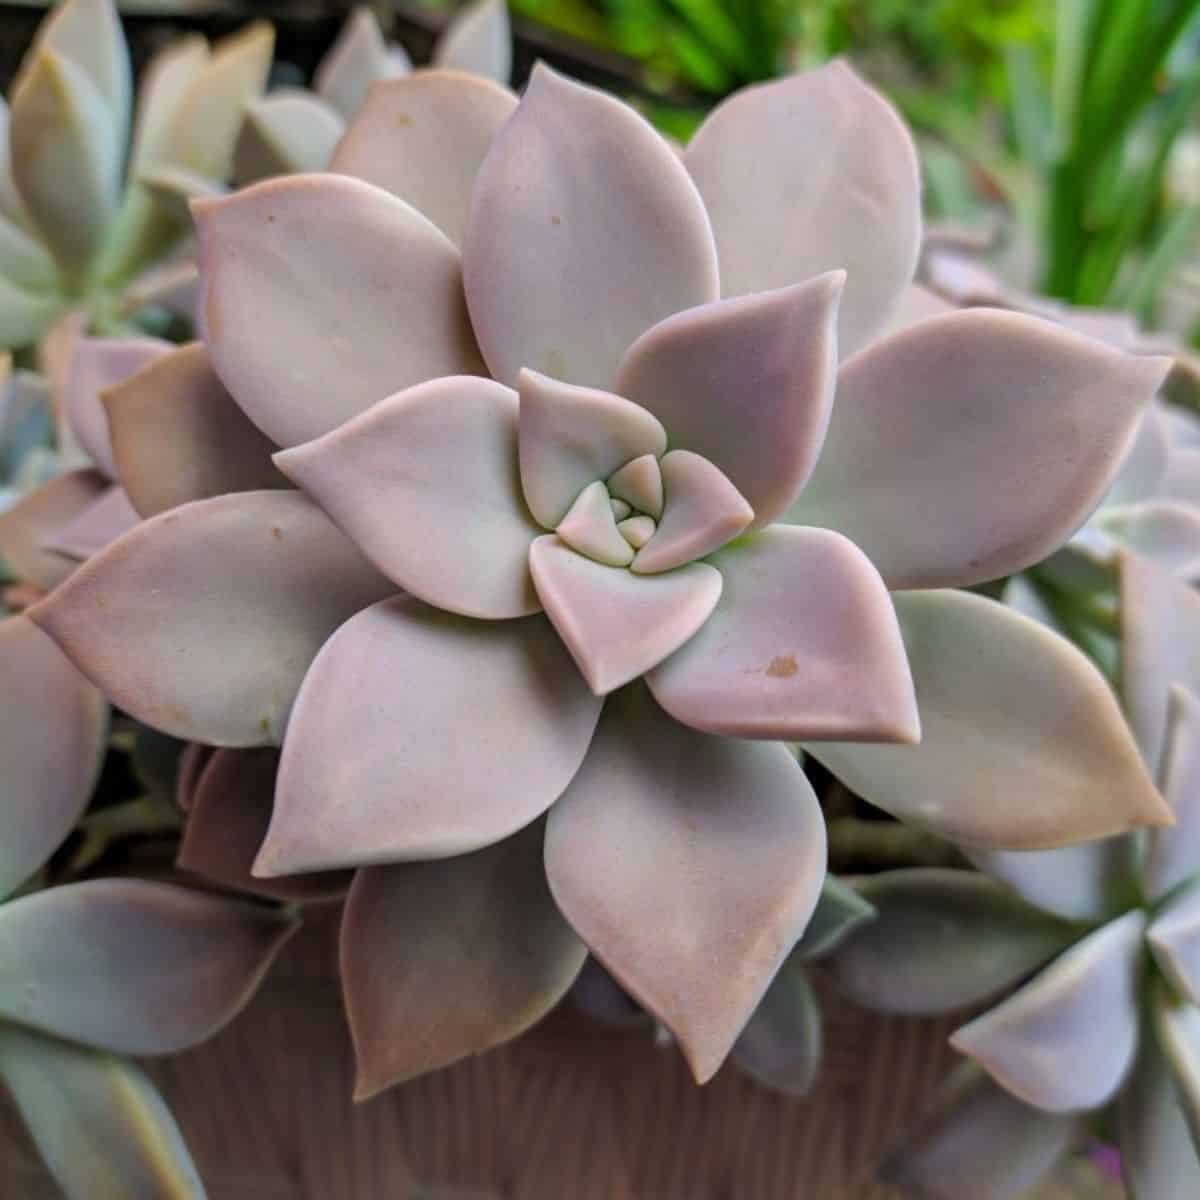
77	224
96	970
1106	1032
654	507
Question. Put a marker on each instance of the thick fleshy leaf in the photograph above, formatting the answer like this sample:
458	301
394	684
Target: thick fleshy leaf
1011	430
977	1140
24	261
445	959
289	131
590	527
917	304
1087	882
572	436
1166	532
25	316
178	436
203	621
1160	645
164	82
426	484
304	319
1177	1028
1145	464
702	512
943	939
637	531
174	286
1174	852
1182	480
747	383
1174	937
356	60
423	139
97	1121
645	855
373	772
839	913
1064	1042
803	644
66	157
11	204
32	521
174	188
781	1044
618	625
779	218
192	762
585	212
132	966
208	114
478	40
639	483
53	725
97	526
96	365
229	811
1022	743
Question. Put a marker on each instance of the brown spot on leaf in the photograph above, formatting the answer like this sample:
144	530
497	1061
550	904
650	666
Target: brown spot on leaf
277	533
403	120
782	667
556	220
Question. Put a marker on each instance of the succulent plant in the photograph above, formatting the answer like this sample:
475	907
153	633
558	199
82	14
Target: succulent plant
1108	1029
77	224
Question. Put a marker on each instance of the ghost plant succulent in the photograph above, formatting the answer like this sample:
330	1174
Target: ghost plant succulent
1108	1029
570	431
77	225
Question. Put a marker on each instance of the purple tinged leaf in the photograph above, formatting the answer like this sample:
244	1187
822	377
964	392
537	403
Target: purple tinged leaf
357	59
95	527
478	40
26	528
284	133
1173	854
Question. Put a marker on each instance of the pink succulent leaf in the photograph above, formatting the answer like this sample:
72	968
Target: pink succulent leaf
96	365
972	445
201	622
1176	1025
618	625
645	855
1086	882
585	213
1158	1151
98	525
943	939
1174	938
1022	746
426	484
52	736
445	959
132	966
173	285
478	40
485	731
356	60
639	484
192	762
1173	854
26	528
978	1140
803	644
1182	480
572	436
781	1043
97	1121
808	174
917	304
178	436
1165	531
324	295
591	528
423	139
1160	646
747	383
1065	1040
229	811
1144	467
285	133
702	511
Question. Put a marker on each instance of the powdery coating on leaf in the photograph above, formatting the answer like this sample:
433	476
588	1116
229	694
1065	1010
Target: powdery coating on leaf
584	231
423	139
132	966
356	59
1173	854
445	959
1174	939
426	485
645	855
1022	743
803	643
284	133
53	725
32	521
93	528
202	621
324	295
479	40
418	734
971	445
808	174
1165	531
747	383
781	1044
178	436
1065	1040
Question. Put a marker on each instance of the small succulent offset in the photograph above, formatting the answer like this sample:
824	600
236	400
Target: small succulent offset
77	225
1108	1030
655	506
